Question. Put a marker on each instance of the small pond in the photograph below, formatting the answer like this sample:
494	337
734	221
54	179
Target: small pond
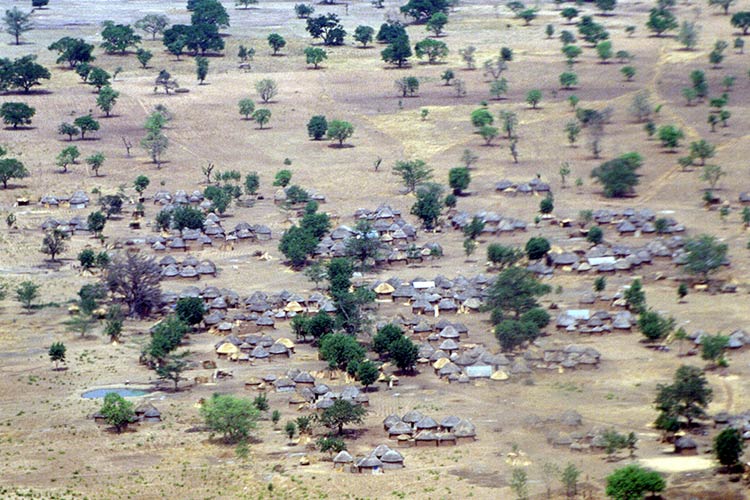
125	392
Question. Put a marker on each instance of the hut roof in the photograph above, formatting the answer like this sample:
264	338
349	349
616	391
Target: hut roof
449	422
343	457
369	462
399	428
426	422
465	429
381	450
391	420
392	457
412	417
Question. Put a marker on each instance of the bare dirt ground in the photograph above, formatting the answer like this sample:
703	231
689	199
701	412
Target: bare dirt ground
49	445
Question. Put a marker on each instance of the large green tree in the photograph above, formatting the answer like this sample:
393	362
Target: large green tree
687	397
618	177
117	411
230	417
632	482
515	291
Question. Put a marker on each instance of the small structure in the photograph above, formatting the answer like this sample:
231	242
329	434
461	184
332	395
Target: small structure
685	446
392	460
342	460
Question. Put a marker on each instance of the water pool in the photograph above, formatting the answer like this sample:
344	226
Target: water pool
125	392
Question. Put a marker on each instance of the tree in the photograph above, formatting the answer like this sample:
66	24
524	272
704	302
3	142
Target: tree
10	168
728	447
210	12
364	34
670	136
433	49
436	23
572	129
315	56
660	21
96	222
144	56
140	184
73	51
317	127
340	349
17	23
712	174
527	15
604	50
591	31
509	121
618	176
201	69
537	247
340	130
702	149
85	124
515	290
26	293
53	243
385	337
117	411
688	34
231	417
57	353
266	89
190	310
404	353
326	27
724	4
488	133
635	297
654	326
107	99
276	42
422	10
459	179
595	235
154	24
632	482
498	88
290	429
398	52
342	413
155	143
245	4
533	97
261	116
303	11
606	6
705	254
568	80
95	162
367	373
503	256
687	397
364	245
467	54
22	73
118	37
741	20
16	113
481	117
68	129
282	178
429	204
172	367
712	348
513	333
135	280
247	106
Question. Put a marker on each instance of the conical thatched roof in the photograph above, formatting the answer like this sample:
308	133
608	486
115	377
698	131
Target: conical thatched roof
343	457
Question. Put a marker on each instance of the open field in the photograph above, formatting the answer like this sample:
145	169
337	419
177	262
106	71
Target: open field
51	447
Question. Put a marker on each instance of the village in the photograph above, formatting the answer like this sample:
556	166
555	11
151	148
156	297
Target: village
267	250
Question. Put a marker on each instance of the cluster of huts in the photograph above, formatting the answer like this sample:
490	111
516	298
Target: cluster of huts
197	239
629	221
534	186
144	412
380	459
494	223
396	238
79	199
416	429
606	258
189	267
434	296
253	347
305	391
68	227
596	321
737	339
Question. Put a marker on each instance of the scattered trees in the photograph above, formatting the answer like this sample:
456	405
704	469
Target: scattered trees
11	168
73	51
276	42
247	106
687	397
429	204
266	89
434	50
153	24
118	37
398	51
364	34
85	124
26	293
201	69
660	21
317	127
728	447
57	353
705	254
327	27
413	173
341	413
261	116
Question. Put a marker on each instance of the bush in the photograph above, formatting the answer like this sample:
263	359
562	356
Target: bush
537	247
